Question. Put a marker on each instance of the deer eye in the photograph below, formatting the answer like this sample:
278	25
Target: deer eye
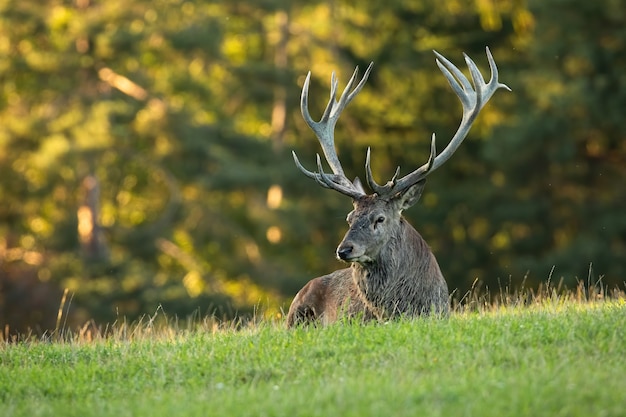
380	219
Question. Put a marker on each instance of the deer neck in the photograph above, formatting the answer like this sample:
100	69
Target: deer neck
382	281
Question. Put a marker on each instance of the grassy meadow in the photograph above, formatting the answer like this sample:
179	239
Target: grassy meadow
558	356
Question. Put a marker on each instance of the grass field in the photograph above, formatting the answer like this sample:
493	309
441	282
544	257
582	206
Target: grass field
553	358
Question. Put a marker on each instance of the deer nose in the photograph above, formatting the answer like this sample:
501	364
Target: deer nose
344	252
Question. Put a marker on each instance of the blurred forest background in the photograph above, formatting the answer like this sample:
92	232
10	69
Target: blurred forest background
145	147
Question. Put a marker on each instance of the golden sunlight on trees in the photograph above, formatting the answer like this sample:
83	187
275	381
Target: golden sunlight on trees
145	146
274	197
274	234
122	83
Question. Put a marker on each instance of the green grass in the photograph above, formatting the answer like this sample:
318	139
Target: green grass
556	358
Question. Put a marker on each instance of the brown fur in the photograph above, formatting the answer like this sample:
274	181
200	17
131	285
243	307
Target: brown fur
327	298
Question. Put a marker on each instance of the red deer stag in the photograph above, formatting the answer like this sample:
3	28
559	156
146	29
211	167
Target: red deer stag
393	271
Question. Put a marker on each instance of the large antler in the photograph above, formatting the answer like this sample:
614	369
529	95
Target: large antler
325	132
472	98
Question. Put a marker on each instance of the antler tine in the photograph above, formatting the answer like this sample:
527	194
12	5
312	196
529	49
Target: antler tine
330	181
387	188
305	171
327	180
346	95
324	130
369	177
494	73
472	97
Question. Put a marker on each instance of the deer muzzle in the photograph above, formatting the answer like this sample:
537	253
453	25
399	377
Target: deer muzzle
352	253
344	252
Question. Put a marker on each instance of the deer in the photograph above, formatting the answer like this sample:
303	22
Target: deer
393	272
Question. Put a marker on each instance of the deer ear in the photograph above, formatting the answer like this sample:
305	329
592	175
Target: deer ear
411	195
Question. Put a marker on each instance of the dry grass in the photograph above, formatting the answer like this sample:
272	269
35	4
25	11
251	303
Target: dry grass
478	300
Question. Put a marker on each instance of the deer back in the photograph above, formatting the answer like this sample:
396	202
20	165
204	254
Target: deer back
326	298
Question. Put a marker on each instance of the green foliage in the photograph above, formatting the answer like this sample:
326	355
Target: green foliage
185	113
554	358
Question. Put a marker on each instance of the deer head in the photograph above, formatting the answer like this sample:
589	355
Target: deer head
376	220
